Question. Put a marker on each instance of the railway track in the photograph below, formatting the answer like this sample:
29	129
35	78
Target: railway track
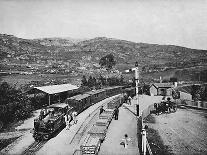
34	147
83	130
87	124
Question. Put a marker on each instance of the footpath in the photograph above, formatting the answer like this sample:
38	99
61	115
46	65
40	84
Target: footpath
126	124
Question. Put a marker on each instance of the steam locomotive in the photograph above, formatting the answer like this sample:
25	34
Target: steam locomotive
51	118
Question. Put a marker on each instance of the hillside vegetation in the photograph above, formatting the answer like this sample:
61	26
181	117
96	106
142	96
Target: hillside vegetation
81	57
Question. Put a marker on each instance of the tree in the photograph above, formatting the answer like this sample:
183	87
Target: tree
90	82
121	82
195	92
15	104
204	93
107	61
173	79
84	81
146	89
102	80
94	81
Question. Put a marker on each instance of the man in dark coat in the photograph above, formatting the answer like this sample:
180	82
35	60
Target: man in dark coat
116	113
101	110
156	108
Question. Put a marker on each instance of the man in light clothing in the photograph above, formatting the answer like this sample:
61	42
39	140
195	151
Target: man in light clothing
74	114
126	141
67	121
129	98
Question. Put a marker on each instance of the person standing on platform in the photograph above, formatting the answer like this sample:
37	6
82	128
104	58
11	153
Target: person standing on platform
101	110
129	98
126	141
156	108
116	113
74	115
67	121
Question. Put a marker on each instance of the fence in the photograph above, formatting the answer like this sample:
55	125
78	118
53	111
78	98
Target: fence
194	104
139	133
142	140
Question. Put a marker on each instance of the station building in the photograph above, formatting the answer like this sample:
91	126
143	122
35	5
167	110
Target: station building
161	89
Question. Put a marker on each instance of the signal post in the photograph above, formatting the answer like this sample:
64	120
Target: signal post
136	69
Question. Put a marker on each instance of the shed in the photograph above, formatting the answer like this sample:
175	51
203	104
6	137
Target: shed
163	89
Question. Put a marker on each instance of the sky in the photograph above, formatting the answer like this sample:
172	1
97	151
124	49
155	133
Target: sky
175	22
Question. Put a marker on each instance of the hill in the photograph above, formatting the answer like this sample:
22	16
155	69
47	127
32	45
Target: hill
78	57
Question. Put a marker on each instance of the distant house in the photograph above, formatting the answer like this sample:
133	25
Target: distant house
163	89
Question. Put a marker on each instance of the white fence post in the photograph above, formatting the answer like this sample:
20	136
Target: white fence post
144	139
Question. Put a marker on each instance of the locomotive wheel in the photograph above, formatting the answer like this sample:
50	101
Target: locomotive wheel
46	137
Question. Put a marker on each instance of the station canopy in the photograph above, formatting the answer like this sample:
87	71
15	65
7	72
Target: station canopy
54	89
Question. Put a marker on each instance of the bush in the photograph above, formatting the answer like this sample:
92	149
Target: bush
15	105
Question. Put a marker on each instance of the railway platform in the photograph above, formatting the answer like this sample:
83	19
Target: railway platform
126	124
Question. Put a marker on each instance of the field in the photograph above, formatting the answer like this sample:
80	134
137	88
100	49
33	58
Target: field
19	80
182	132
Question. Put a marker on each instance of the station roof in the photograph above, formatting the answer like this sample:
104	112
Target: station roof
53	89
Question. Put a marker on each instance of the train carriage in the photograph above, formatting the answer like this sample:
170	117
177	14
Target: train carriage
79	102
97	95
113	90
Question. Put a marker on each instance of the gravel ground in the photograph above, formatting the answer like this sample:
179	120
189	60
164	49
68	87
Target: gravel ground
182	132
12	139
